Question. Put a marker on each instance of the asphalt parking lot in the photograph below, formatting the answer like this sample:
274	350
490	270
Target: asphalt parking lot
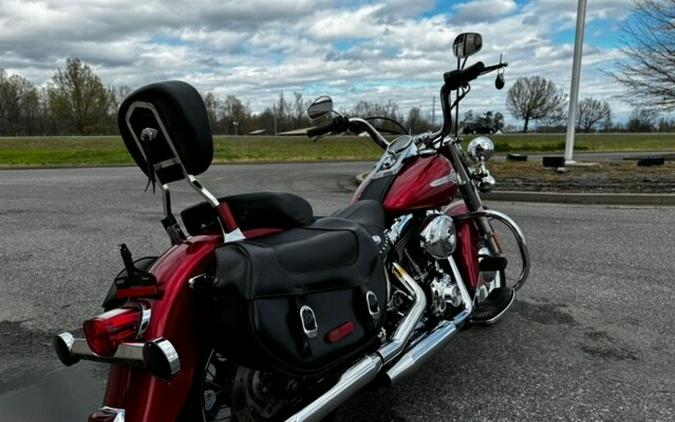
590	338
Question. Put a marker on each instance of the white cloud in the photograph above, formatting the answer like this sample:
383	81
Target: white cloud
347	24
483	10
381	50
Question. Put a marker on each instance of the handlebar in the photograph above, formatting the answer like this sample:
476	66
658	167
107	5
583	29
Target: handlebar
489	69
355	124
321	130
457	78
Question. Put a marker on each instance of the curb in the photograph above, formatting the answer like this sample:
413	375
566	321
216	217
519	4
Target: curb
653	199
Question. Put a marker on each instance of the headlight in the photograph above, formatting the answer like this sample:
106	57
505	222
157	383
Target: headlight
481	149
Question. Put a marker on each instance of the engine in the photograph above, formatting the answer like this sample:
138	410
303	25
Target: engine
424	245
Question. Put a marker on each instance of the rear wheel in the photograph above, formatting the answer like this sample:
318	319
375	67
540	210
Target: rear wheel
226	392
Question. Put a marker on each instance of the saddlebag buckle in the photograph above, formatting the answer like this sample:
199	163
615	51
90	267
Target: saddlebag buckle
308	320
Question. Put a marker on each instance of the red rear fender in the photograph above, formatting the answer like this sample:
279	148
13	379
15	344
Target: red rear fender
144	397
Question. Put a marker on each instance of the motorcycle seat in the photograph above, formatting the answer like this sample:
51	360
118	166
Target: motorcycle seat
368	213
251	211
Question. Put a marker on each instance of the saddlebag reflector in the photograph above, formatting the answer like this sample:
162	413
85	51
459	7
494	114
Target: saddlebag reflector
302	301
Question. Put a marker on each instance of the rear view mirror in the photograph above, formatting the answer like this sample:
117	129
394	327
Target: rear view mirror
467	44
320	107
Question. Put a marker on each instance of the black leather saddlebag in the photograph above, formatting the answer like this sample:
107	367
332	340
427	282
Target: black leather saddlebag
302	301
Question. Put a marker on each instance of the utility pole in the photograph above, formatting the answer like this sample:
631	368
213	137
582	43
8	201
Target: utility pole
433	112
574	89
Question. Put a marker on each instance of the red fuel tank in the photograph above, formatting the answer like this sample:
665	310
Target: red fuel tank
426	182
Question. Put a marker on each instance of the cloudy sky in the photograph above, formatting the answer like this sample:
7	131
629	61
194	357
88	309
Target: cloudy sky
352	50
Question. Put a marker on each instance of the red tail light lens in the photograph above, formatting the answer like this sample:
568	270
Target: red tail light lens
106	331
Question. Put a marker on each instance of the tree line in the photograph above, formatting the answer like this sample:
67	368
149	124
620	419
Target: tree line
536	99
76	102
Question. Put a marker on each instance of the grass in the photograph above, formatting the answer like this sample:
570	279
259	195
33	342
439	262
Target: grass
109	150
585	142
606	176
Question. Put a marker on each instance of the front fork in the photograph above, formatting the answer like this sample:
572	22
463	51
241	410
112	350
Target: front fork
482	216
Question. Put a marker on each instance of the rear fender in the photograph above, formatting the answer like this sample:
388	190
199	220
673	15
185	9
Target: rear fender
144	397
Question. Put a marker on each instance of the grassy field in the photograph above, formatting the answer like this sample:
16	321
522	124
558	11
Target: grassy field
109	150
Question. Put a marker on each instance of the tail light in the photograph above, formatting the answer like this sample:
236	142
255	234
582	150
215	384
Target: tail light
106	331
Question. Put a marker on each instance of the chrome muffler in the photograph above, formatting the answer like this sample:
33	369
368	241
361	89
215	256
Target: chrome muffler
367	369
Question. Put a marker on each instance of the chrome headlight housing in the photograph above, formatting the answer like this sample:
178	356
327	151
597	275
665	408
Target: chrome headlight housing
439	237
481	149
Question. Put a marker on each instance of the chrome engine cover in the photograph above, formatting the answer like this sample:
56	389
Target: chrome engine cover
439	236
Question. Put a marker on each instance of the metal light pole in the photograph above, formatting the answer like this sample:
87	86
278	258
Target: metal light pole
574	89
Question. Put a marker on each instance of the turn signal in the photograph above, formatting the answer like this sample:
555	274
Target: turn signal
106	331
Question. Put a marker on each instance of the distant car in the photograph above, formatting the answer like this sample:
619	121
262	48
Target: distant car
470	128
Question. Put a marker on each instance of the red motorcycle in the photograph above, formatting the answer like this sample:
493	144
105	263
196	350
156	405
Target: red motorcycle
262	311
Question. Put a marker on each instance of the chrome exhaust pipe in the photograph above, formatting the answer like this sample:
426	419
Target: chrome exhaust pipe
427	347
404	330
436	339
367	369
351	381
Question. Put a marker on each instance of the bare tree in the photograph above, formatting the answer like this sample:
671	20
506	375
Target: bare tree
373	109
235	113
535	98
212	105
642	120
416	122
299	111
591	112
648	69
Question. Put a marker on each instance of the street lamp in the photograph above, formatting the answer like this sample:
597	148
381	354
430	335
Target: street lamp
574	89
235	124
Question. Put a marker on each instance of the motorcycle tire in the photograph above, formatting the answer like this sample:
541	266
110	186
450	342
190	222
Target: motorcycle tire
226	392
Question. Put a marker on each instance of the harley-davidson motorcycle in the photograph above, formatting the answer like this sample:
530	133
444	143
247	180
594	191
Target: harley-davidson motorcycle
261	310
